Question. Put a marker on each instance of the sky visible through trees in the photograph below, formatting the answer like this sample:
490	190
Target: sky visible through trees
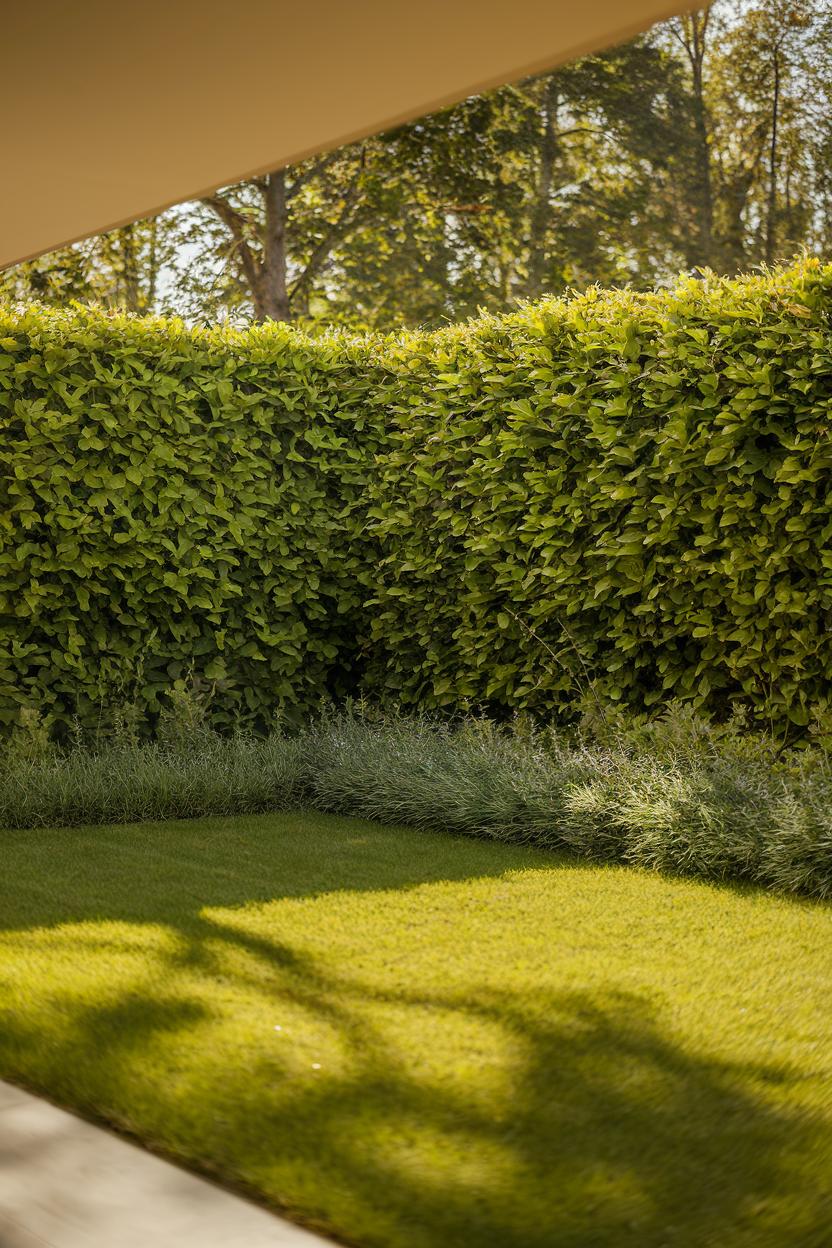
706	143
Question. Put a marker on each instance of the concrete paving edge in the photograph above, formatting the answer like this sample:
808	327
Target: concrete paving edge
65	1183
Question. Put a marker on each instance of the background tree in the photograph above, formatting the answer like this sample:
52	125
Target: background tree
120	269
277	232
749	165
705	143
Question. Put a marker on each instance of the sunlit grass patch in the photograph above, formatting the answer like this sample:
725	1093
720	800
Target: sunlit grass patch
415	1040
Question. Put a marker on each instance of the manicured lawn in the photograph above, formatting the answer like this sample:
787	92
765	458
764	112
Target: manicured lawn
425	1042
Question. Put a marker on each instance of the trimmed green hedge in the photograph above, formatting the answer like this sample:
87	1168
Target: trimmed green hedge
629	489
634	489
176	504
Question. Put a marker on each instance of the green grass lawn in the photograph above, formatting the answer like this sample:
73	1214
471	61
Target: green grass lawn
419	1041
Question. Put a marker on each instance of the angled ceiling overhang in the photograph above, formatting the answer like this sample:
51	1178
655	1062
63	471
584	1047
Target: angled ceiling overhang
113	111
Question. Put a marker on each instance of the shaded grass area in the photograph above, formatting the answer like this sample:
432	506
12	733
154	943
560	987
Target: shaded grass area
479	1044
678	794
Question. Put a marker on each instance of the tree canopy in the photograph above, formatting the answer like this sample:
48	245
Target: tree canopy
705	143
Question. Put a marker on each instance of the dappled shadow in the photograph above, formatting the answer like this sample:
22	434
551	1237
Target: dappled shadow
76	874
598	1126
152	871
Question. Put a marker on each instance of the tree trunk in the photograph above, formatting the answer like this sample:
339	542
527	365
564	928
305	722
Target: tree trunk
130	270
272	299
153	264
771	208
700	251
540	216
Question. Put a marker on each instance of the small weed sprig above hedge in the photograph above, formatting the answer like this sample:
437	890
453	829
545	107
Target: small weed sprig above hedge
624	489
676	795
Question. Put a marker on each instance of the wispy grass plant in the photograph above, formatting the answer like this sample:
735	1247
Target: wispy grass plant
189	770
678	795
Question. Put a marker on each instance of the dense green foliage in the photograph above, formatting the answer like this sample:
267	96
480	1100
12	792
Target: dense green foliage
619	489
174	502
632	489
679	795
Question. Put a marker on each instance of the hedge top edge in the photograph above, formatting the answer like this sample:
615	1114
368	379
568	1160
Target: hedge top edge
802	281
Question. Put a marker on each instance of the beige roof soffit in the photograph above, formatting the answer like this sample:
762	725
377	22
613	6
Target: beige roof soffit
115	111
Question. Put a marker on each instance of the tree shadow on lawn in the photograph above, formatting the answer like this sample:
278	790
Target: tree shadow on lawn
594	1128
609	1134
156	871
150	872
